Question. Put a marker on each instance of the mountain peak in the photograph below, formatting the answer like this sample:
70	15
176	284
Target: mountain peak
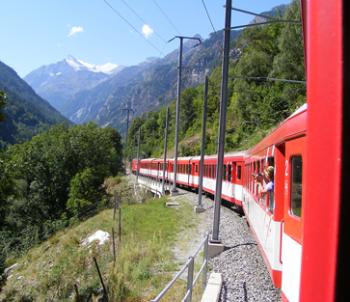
76	64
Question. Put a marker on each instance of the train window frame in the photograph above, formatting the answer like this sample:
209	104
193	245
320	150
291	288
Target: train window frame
292	185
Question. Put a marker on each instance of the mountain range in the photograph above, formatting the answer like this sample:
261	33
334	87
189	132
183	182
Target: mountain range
59	82
85	92
26	113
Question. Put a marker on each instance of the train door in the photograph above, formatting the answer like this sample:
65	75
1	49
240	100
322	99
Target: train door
293	198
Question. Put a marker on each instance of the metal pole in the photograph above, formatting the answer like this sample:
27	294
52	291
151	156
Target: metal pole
190	279
201	163
127	127
138	156
222	122
174	190
127	109
165	147
206	259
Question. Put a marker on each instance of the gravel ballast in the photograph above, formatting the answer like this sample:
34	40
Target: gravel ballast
245	276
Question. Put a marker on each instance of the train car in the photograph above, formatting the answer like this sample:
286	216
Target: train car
276	217
188	174
325	259
232	177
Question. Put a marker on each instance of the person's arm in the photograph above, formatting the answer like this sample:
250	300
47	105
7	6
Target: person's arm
267	188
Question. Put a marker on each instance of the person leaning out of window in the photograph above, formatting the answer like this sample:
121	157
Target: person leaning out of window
265	181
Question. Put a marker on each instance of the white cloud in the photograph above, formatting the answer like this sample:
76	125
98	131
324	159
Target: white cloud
74	30
147	30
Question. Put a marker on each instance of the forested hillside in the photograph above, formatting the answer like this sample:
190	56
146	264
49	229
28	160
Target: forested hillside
254	106
25	113
53	180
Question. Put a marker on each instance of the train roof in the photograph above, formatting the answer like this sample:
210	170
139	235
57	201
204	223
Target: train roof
213	156
293	126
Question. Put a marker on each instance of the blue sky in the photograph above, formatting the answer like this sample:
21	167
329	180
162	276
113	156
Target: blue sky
38	32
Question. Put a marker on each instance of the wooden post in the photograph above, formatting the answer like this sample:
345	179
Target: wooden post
113	241
120	225
77	295
105	294
115	207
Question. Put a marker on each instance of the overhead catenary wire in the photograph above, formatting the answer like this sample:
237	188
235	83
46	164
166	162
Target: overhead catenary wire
133	27
266	22
141	19
208	15
252	13
269	79
166	17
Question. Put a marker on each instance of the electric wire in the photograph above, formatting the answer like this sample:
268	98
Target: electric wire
208	15
252	13
133	27
142	20
270	79
266	22
166	17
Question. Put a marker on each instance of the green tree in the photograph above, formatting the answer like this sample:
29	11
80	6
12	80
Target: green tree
83	195
187	114
42	172
2	104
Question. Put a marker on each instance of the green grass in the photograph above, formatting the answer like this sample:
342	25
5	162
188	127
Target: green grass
144	259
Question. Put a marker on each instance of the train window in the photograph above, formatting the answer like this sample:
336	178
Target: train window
271	161
296	185
239	172
224	176
196	168
229	172
258	167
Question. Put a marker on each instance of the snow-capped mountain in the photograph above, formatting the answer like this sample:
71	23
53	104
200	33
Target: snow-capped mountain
59	82
108	68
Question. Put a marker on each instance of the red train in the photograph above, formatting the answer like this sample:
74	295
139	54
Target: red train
302	229
188	173
275	218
